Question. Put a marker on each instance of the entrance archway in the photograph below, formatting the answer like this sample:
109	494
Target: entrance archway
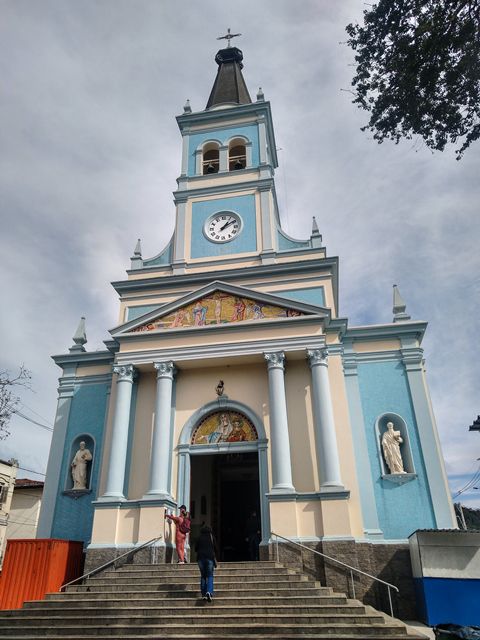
223	473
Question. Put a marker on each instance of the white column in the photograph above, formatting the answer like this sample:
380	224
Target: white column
281	463
325	437
161	442
121	420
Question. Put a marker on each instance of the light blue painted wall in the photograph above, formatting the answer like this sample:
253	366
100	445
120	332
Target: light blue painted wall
285	243
73	518
136	312
246	241
223	135
165	257
402	508
310	295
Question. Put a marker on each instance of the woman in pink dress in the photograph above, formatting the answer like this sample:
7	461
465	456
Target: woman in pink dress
182	527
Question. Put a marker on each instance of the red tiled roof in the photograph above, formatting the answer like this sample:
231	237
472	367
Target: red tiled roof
26	482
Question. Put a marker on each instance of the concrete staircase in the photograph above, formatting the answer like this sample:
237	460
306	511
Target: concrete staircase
252	600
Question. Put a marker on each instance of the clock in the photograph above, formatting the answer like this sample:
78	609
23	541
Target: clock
223	226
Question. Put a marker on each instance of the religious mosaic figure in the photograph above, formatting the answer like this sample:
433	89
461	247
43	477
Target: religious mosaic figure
222	431
79	467
238	434
199	314
238	310
224	426
391	441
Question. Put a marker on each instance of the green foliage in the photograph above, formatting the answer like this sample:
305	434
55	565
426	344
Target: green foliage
472	518
418	70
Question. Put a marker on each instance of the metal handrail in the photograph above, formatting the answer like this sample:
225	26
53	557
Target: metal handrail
352	569
110	562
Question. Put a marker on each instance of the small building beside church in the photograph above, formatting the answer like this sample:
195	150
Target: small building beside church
231	384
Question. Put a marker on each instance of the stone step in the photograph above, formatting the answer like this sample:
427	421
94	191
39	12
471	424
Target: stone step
359	631
194	579
162	591
209	616
192	570
155	598
91	608
215	636
261	564
220	586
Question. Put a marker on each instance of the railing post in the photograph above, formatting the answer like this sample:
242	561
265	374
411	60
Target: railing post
276	545
353	583
390	600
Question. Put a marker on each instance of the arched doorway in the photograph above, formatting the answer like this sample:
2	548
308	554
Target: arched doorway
223	475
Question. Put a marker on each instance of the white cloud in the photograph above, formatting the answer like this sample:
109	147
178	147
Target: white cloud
91	151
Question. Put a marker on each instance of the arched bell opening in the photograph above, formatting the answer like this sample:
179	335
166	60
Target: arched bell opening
210	158
237	155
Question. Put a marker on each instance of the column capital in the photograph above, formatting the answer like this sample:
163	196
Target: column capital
165	369
125	372
275	360
318	357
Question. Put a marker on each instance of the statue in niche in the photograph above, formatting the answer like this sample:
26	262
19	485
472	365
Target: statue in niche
79	467
391	441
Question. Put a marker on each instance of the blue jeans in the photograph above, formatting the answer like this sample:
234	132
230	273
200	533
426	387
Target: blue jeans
206	576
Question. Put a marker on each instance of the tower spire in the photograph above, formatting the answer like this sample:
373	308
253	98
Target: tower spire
229	86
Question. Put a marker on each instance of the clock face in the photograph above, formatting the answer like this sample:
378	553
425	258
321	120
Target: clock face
223	226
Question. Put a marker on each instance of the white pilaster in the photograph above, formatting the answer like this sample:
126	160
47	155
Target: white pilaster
161	442
281	462
325	437
121	420
262	140
185	145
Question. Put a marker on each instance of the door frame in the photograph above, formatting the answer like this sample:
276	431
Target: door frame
185	449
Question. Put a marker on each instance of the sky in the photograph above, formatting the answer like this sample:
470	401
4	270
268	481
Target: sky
90	152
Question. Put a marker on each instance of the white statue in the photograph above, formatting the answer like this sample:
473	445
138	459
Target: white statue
79	467
391	441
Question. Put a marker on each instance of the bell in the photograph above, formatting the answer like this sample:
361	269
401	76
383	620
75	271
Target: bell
238	165
210	168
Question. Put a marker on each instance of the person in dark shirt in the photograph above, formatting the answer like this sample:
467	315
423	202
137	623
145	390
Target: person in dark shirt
205	548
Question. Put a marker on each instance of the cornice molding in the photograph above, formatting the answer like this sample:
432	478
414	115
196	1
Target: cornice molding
228	350
189	279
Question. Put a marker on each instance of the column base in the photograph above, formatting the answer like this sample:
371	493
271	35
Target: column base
111	497
158	496
283	488
332	486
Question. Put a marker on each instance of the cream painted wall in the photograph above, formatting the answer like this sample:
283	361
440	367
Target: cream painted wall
142	440
345	441
300	426
373	346
24	512
95	370
249	331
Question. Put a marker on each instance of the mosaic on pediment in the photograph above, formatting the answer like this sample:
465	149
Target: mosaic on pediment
217	309
224	426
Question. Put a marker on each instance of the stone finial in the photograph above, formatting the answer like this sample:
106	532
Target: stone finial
136	259
80	337
186	107
260	95
315	237
399	306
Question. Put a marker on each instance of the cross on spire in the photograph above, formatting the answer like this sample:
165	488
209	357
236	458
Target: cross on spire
229	36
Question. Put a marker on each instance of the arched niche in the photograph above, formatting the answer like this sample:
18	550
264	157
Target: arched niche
90	446
400	425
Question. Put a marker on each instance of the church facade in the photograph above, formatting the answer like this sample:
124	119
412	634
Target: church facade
231	384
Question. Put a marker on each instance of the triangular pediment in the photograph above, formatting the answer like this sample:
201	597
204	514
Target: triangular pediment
219	304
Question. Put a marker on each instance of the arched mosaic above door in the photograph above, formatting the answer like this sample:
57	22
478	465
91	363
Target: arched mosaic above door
224	426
